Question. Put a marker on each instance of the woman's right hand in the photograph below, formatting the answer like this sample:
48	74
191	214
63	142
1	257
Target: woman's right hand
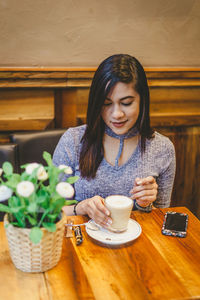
94	207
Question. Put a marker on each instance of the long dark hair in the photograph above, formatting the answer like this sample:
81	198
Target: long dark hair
116	68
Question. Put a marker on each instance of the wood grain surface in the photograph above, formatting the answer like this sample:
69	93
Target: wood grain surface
81	77
26	109
153	266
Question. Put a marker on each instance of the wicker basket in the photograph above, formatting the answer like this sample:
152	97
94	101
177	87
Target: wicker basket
29	257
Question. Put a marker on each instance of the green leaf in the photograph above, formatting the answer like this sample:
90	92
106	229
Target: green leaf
25	176
15	224
13	181
70	202
5	208
24	166
14	201
32	221
53	177
43	198
56	197
33	176
7	168
49	226
43	202
57	205
15	210
19	219
32	208
47	158
35	235
52	217
72	179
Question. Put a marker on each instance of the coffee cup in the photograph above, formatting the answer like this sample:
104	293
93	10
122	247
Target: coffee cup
120	209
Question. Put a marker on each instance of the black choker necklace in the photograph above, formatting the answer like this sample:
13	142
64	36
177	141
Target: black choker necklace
132	132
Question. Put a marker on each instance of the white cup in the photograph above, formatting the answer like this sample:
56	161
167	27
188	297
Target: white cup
120	210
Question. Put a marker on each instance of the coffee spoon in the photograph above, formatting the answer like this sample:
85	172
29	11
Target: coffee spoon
92	225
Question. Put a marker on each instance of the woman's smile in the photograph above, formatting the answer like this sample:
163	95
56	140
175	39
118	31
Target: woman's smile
121	107
118	124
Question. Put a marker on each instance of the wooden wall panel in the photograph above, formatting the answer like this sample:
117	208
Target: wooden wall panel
26	109
175	100
174	110
175	106
74	105
186	191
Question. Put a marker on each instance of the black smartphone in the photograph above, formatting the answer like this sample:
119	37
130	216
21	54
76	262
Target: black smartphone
175	224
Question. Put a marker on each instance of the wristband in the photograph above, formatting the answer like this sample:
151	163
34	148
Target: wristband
74	210
145	209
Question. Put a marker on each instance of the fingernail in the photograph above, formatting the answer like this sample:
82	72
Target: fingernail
109	222
139	182
107	213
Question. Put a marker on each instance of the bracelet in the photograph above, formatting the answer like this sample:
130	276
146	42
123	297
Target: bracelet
74	210
145	209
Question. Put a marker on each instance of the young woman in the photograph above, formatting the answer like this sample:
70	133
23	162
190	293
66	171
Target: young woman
117	152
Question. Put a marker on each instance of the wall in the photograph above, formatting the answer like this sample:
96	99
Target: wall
82	33
40	40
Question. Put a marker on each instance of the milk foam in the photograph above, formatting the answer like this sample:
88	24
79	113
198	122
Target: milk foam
118	201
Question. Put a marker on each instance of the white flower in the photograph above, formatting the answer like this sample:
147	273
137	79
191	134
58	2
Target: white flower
42	174
67	170
25	188
1	171
5	192
31	167
65	190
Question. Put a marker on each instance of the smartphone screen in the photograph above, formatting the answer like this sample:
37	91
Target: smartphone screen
175	224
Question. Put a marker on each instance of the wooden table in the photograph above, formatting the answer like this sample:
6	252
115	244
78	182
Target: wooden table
153	267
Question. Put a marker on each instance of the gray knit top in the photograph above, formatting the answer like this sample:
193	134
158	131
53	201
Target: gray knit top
158	161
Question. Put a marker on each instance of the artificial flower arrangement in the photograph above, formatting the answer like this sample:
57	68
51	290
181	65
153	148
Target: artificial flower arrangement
36	196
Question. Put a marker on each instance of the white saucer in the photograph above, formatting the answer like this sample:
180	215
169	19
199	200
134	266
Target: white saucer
107	237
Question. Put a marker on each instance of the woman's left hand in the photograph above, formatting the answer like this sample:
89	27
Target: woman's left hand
144	191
